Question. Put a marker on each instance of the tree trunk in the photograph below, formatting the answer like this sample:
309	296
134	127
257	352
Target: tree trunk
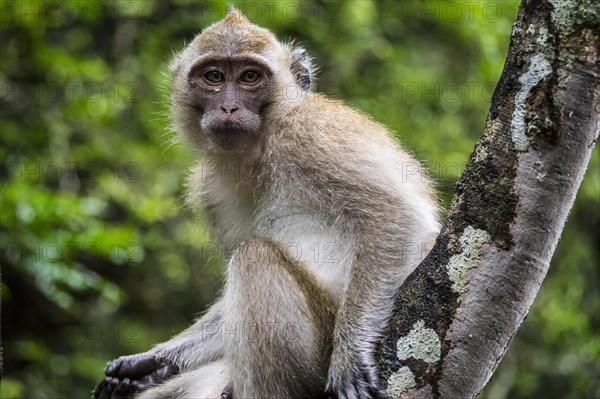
456	314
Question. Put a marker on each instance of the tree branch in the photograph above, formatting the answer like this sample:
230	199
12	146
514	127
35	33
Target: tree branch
456	314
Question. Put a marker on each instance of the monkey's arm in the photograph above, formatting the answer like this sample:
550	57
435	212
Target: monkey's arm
374	278
352	370
199	344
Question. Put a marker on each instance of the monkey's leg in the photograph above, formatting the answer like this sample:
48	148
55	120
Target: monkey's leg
207	382
278	325
198	345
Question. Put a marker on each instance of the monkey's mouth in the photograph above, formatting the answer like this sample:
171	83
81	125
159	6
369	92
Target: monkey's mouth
231	129
231	136
228	131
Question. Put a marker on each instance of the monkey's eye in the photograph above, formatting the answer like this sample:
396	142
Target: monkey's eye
214	77
250	77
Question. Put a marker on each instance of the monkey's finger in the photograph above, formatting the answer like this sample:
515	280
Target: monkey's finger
104	392
227	392
149	380
352	391
166	371
132	388
98	389
112	368
111	383
135	386
330	394
144	384
370	385
157	376
123	389
377	393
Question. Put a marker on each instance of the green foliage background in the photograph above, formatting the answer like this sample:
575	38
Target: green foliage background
100	258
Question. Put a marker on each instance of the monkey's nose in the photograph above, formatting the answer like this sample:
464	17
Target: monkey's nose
229	109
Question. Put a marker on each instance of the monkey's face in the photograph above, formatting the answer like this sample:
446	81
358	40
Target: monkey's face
229	96
230	80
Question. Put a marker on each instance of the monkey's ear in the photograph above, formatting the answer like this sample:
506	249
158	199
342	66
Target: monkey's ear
302	68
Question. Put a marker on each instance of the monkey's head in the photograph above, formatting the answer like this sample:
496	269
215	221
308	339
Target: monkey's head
228	81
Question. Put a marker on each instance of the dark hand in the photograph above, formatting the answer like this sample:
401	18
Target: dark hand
352	379
128	375
227	392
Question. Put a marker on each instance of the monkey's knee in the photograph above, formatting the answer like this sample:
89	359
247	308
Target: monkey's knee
260	277
261	265
263	272
258	254
263	268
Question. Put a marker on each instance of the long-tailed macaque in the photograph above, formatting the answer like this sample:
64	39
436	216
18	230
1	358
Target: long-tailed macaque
325	220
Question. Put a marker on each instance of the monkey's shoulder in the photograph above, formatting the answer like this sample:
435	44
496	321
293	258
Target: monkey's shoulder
323	131
324	123
335	112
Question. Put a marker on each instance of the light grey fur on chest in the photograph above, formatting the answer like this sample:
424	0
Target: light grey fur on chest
326	250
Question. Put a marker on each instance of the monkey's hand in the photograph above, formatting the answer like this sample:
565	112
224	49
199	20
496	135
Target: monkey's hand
350	377
128	375
227	392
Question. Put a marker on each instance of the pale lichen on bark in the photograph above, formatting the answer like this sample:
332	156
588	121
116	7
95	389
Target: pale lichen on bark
539	68
566	15
420	343
400	381
471	241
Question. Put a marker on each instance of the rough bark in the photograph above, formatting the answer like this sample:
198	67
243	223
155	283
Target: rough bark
457	313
